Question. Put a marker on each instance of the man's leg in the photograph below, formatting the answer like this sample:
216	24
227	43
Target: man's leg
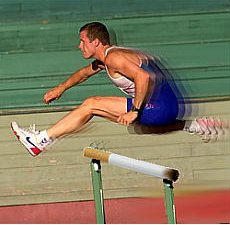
36	141
108	107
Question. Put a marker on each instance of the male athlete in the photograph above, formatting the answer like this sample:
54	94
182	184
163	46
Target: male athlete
151	101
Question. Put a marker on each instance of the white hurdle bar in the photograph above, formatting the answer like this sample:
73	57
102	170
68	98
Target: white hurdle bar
133	164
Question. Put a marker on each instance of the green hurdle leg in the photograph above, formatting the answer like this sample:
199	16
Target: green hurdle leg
95	167
169	201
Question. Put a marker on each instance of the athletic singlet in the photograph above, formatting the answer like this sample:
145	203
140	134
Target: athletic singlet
124	84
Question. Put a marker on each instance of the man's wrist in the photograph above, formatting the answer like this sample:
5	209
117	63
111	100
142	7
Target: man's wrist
61	87
134	109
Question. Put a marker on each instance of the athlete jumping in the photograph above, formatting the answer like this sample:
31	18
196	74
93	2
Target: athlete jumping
151	100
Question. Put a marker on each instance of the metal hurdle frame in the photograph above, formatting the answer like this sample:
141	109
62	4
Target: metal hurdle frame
168	178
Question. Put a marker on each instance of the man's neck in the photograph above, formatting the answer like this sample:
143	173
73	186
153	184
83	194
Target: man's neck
100	53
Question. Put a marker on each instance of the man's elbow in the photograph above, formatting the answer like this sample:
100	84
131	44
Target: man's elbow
142	78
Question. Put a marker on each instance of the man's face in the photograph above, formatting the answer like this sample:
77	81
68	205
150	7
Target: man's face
88	48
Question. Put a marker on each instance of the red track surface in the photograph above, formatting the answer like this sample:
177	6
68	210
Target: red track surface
211	207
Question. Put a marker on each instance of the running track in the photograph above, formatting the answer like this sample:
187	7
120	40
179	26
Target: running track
211	207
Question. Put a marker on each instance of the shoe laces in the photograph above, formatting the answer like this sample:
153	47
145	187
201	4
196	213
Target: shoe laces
32	129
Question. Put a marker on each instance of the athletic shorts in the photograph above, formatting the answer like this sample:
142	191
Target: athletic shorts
162	107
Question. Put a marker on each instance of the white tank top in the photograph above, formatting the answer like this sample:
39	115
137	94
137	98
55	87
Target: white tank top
124	84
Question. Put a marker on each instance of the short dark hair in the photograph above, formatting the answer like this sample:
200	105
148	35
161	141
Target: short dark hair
96	30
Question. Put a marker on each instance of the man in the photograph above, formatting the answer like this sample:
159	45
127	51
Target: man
151	100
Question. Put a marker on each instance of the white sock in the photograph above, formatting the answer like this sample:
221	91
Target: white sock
43	138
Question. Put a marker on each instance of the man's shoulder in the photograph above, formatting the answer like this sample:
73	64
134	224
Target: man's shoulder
114	50
113	55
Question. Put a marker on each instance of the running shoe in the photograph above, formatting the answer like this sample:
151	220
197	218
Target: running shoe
30	138
209	128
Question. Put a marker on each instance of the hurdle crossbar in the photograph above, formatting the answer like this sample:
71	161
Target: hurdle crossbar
133	164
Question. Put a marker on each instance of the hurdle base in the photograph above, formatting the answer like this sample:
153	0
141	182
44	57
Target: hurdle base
169	201
95	167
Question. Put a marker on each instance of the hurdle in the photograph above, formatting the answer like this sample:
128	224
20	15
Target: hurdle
168	175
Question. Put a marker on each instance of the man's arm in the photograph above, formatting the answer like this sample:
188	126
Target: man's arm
76	78
120	63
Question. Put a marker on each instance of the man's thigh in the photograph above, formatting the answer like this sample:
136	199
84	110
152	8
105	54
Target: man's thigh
111	105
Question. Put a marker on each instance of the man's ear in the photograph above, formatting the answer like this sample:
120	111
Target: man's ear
97	42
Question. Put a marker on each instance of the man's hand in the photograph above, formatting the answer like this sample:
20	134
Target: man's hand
53	94
127	118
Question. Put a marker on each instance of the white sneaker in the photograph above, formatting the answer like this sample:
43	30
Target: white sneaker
209	128
30	138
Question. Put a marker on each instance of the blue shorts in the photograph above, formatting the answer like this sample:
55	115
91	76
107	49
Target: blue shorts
162	107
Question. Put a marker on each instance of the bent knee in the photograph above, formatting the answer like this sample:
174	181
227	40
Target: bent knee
92	102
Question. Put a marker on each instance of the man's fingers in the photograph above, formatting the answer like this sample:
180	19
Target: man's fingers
49	97
45	100
48	100
53	94
122	121
119	119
